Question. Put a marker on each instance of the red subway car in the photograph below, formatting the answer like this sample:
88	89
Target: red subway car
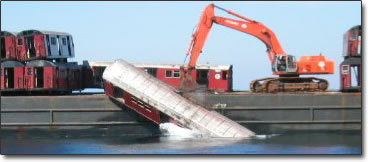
8	46
352	42
351	74
43	75
351	67
36	44
12	76
212	77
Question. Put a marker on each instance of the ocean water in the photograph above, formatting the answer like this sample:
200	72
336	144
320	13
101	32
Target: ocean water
174	141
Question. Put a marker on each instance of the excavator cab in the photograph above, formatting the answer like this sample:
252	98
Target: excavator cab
284	64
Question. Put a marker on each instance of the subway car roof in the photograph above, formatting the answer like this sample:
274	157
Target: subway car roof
177	66
7	64
359	27
158	65
31	32
43	63
7	33
352	61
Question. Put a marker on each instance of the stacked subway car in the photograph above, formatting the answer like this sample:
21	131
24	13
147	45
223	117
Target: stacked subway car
37	61
351	67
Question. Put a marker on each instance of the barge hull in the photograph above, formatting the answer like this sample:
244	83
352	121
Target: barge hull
261	113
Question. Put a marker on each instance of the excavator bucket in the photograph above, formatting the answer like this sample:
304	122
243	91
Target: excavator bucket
187	82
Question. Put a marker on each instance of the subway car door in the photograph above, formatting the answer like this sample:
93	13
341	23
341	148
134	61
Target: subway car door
345	76
38	77
29	78
64	46
60	46
21	49
29	42
62	78
10	47
2	78
9	77
70	45
202	77
69	78
230	78
3	51
48	76
19	77
39	42
53	49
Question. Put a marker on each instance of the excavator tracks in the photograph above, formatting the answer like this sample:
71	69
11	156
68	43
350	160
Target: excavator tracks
288	84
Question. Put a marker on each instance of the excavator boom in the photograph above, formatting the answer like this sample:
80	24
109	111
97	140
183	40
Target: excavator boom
249	26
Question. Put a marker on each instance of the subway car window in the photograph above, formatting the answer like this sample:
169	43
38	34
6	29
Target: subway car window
53	41
345	69
64	41
20	42
176	74
353	36
168	73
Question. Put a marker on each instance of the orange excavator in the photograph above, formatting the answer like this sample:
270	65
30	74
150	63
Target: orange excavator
283	65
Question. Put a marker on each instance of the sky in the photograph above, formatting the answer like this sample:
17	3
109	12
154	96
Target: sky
159	32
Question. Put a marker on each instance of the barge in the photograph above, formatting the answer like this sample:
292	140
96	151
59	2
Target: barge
260	112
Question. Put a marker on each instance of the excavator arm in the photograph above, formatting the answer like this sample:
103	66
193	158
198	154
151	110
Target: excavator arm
245	25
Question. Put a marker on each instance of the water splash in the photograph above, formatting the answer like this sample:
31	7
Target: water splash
173	130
